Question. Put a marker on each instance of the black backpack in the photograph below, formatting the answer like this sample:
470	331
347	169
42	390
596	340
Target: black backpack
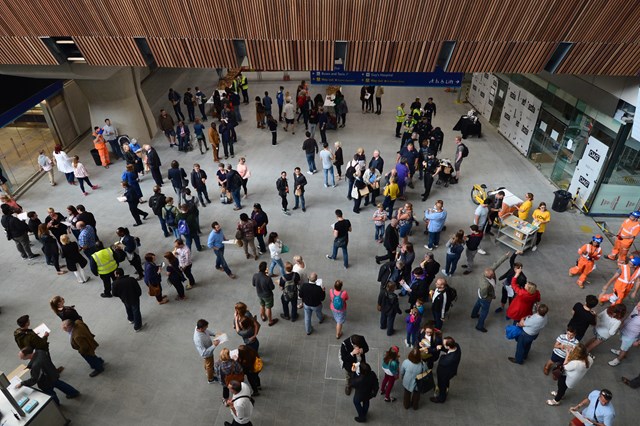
452	296
465	151
169	217
350	172
375	385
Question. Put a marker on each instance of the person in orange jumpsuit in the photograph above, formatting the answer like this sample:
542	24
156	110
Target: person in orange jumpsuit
100	144
588	253
627	276
629	229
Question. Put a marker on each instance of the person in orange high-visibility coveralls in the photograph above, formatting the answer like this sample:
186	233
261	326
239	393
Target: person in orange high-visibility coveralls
629	230
627	276
588	253
100	144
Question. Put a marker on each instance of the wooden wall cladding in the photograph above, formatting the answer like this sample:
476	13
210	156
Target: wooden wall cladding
601	58
274	55
386	56
25	50
109	51
491	35
192	53
509	57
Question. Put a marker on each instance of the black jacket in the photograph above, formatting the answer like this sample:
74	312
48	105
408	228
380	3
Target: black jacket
346	359
300	181
391	238
388	302
431	269
448	364
312	295
153	159
282	185
365	386
157	202
43	372
196	179
507	276
234	180
127	289
14	226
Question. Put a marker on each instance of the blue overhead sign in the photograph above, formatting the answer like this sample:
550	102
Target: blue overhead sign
410	79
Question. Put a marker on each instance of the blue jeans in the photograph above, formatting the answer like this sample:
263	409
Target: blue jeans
193	238
386	322
235	194
285	308
345	254
351	182
308	312
379	232
311	161
362	407
434	239
63	387
481	310
327	173
163	225
220	262
133	314
273	264
299	200
94	361
451	263
524	345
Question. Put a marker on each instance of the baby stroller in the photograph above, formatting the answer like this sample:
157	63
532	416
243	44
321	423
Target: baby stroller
445	172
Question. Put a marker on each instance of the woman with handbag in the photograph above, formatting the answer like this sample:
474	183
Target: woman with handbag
175	275
359	191
130	246
410	369
575	366
153	279
275	249
249	360
455	247
75	260
372	178
227	369
338	158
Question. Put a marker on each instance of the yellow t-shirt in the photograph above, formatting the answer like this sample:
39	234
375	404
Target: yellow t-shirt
523	211
540	216
392	190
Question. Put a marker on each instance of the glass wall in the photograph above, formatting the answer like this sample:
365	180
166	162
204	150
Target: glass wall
20	144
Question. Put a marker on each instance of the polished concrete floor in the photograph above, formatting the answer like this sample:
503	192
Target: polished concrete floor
156	377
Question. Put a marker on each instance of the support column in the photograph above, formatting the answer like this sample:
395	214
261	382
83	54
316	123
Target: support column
120	99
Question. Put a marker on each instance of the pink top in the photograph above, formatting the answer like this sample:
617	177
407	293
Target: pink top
343	295
243	170
80	171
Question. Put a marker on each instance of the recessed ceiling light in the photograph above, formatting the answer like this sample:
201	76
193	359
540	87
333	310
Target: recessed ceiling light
65	42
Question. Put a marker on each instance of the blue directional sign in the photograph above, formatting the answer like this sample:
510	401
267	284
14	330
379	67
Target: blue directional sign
410	79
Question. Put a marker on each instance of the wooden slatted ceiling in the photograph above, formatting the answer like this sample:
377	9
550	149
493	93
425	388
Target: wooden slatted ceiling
387	56
603	59
192	53
109	51
290	55
25	50
510	57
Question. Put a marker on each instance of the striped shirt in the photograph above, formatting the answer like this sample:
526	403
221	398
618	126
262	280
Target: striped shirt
565	341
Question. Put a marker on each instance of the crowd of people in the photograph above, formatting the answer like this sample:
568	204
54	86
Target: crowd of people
405	279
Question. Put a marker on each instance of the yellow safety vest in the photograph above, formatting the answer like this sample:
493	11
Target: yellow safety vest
400	115
244	83
234	86
105	261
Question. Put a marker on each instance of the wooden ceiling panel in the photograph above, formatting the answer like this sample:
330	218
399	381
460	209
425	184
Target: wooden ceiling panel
100	51
25	51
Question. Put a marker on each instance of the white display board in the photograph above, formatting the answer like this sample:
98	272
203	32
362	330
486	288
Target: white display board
620	199
519	116
482	92
588	170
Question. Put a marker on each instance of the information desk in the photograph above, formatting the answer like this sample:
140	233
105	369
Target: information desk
467	127
517	234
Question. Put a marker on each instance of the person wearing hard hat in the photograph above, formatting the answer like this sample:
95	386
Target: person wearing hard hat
625	278
627	233
588	254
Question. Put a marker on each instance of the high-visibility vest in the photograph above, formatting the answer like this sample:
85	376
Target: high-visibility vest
105	261
590	251
234	86
625	274
416	112
400	114
244	83
629	228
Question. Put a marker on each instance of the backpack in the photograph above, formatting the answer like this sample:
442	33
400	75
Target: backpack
338	302
350	172
156	202
224	198
183	228
290	288
452	296
253	401
169	217
257	365
465	151
373	392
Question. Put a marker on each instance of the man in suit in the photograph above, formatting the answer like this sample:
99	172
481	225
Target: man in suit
352	350
391	240
153	160
447	367
83	341
129	291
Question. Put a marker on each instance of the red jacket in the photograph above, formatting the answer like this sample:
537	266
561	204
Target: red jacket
523	302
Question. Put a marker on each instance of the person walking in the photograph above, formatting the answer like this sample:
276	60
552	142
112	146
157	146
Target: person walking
130	175
327	165
63	164
215	242
625	237
205	345
486	292
282	185
338	299
129	292
261	219
275	249
132	198
541	217
312	297
310	148
455	247
81	173
574	368
214	140
341	229
183	253
83	341
264	288
531	327
75	261
391	369
629	336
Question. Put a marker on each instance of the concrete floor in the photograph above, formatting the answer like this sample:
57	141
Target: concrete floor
156	378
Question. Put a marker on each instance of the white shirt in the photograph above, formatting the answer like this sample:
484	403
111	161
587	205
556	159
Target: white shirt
289	111
275	249
606	326
575	371
243	406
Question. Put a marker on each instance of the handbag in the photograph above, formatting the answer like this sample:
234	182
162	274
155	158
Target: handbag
285	249
424	382
355	193
557	371
154	290
298	192
257	365
364	191
239	234
513	332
